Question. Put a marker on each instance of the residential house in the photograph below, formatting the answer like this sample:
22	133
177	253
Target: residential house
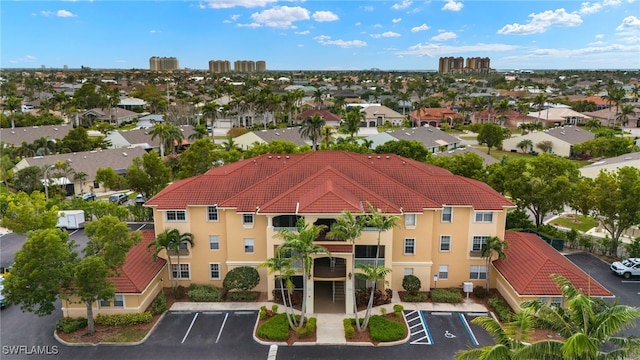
379	115
510	118
562	139
558	116
115	116
434	116
432	138
235	212
330	118
140	281
247	140
611	164
132	104
142	138
609	117
525	272
17	136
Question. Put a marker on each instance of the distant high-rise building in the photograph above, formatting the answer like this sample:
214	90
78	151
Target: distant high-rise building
261	66
219	66
457	65
244	66
449	65
478	64
157	63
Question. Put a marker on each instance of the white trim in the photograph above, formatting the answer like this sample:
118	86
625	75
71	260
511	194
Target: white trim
178	272
404	246
415	221
218	242
242	263
442	215
412	263
166	216
478	212
219	271
440	244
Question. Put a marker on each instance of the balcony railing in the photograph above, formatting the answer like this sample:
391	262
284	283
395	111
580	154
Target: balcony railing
369	261
476	253
182	252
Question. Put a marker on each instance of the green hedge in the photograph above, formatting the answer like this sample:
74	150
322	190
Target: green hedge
242	295
159	305
124	319
68	325
275	328
349	331
501	308
384	330
308	328
204	293
417	297
451	295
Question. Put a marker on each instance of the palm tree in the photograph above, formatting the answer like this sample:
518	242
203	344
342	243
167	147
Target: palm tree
590	329
199	132
81	177
494	246
625	111
327	135
525	144
311	128
615	96
540	100
634	91
169	135
300	243
351	123
372	274
230	144
318	97
545	145
282	266
171	241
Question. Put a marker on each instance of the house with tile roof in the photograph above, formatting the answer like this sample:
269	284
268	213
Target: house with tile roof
609	117
434	116
139	282
115	116
379	115
611	164
29	134
558	116
235	212
562	138
525	272
330	118
141	138
247	140
432	138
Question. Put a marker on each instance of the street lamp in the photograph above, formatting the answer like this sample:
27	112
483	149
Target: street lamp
46	182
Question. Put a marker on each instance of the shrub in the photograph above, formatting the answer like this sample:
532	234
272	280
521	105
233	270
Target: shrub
308	328
480	292
397	310
263	312
383	310
159	305
179	292
242	278
411	284
451	295
349	331
417	297
379	297
382	329
68	325
501	308
275	328
204	293
274	308
242	296
124	319
296	297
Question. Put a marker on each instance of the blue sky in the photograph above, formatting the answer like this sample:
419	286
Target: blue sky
321	34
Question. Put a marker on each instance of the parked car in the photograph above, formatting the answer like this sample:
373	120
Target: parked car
2	303
119	198
140	199
88	196
627	268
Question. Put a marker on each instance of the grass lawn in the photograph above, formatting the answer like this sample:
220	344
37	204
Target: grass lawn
583	223
132	335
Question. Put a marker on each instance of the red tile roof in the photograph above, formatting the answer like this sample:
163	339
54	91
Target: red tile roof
139	267
530	262
328	182
325	114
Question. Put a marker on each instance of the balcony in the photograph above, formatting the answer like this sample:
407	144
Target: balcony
476	253
329	268
181	252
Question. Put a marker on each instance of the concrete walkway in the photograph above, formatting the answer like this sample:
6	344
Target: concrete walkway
330	330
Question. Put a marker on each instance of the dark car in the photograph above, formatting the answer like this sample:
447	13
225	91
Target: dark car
119	198
88	196
140	199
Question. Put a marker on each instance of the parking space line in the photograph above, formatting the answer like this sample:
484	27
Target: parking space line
273	351
426	329
243	312
189	329
469	331
211	313
222	327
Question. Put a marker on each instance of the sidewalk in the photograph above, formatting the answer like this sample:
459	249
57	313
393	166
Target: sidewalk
330	330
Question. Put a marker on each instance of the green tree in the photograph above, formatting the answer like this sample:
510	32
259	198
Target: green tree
311	129
411	149
28	179
77	140
148	175
467	164
197	159
494	247
171	241
170	136
373	274
110	238
525	145
300	243
281	266
615	201
491	135
351	123
91	285
41	272
243	278
26	213
545	146
109	178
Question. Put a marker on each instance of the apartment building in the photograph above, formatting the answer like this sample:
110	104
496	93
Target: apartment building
458	65
236	211
219	66
157	63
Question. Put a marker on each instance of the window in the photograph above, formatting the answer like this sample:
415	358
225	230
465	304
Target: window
484	216
478	272
184	272
184	246
447	214
212	213
408	271
214	271
409	246
410	220
445	243
247	219
176	215
443	272
119	301
478	243
248	246
214	242
105	303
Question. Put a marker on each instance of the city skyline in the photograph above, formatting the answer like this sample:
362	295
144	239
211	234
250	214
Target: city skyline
322	35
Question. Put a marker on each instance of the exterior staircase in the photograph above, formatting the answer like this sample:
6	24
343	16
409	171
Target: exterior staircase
338	291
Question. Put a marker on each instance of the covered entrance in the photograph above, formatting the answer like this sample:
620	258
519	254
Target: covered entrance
329	287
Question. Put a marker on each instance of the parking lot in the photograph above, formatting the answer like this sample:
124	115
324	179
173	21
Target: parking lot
446	330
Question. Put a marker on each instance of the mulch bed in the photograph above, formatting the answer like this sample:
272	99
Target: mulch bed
365	336
293	336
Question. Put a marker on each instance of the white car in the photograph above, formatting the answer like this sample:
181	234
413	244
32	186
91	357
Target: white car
627	268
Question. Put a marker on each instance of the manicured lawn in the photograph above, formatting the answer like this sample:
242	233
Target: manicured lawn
584	223
132	335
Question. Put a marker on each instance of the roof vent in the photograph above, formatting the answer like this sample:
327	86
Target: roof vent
379	157
125	154
278	157
56	129
270	157
286	157
369	156
388	157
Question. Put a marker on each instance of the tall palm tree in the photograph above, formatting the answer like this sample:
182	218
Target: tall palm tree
373	274
300	243
615	96
318	97
170	241
312	129
81	177
624	113
525	144
351	123
199	132
169	136
282	266
492	248
327	135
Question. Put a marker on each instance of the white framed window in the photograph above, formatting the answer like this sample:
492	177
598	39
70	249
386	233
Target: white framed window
105	303
410	220
556	301
477	272
408	271
176	215
247	219
118	301
447	214
248	246
484	216
443	272
212	213
478	242
445	242
409	246
214	271
214	242
184	246
184	273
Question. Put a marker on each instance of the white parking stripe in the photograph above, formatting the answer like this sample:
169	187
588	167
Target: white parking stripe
468	328
273	351
222	327
189	329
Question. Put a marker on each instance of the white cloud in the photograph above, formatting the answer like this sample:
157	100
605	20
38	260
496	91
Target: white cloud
422	27
402	5
225	4
613	2
599	36
444	36
153	31
589	8
395	21
46	13
65	13
451	5
377	26
324	16
387	34
326	40
26	59
368	8
250	25
281	16
629	23
306	32
541	22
